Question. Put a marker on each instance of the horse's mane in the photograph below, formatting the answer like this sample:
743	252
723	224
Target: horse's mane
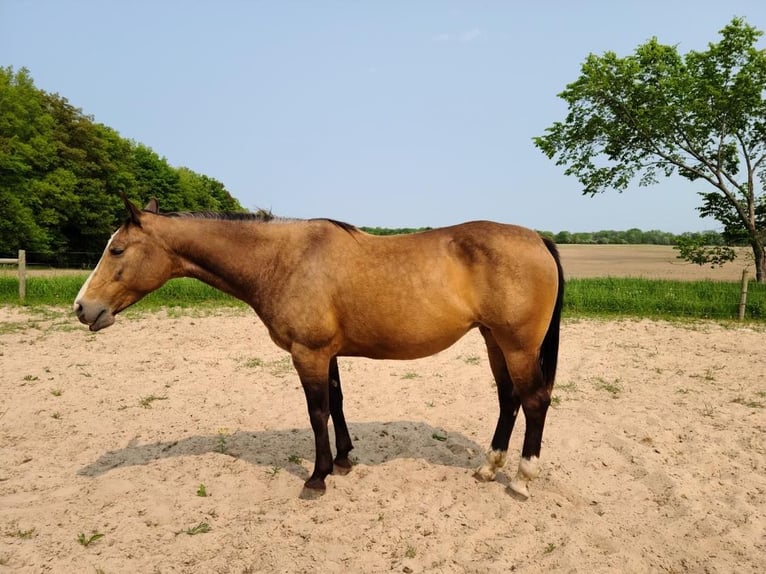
261	215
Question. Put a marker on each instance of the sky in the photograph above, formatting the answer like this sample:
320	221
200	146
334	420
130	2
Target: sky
381	113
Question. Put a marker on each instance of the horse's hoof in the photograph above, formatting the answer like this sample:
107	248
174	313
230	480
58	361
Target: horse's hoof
484	474
341	468
315	483
519	489
311	493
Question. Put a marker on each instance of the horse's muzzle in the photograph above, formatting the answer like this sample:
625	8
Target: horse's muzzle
97	317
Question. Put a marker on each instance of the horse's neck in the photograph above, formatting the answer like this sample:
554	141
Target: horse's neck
236	257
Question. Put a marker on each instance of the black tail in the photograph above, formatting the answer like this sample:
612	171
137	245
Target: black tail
549	352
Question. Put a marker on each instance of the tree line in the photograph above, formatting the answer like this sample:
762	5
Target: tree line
604	237
62	173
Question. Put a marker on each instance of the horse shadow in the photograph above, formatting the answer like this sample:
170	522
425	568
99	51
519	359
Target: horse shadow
376	443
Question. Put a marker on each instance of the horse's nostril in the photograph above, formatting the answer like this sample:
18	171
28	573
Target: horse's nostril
77	308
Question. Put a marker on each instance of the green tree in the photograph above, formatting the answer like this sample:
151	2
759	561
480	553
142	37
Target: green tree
61	174
701	116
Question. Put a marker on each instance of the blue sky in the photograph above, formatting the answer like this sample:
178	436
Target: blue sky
387	113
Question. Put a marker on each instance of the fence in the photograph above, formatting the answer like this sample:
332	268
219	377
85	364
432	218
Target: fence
21	261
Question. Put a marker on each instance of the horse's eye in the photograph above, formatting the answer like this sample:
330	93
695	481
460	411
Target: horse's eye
116	250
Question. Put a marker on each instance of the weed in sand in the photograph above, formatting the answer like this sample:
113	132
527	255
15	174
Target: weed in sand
273	471
201	528
146	402
88	540
614	388
747	403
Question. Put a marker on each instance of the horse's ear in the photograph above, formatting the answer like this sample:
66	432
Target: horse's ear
134	214
153	206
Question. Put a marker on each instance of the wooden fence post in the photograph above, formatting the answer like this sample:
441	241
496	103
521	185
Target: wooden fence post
22	274
743	295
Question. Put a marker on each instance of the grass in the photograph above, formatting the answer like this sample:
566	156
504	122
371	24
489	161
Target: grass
88	540
201	528
607	296
146	402
748	403
612	387
662	299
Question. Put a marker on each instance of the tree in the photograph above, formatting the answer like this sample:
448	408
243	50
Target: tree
701	116
61	175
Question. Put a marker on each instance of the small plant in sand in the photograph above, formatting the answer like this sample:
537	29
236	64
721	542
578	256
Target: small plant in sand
88	540
146	402
294	459
23	534
221	443
273	470
56	392
202	491
615	388
253	363
201	528
748	403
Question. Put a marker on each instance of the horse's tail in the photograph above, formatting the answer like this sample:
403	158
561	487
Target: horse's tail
549	352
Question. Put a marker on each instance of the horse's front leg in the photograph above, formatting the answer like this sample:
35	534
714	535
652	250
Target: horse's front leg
313	370
343	444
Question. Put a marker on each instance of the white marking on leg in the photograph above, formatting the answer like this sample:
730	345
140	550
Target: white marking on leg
495	459
529	469
84	287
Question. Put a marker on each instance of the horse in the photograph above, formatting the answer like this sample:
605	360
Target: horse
325	289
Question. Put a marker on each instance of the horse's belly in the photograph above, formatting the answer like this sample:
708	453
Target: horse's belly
412	339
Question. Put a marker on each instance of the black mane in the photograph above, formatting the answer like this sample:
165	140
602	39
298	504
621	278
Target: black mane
261	215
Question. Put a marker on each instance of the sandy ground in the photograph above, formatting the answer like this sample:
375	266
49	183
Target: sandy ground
654	458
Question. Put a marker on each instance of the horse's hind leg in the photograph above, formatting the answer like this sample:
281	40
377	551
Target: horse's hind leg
343	443
535	398
509	409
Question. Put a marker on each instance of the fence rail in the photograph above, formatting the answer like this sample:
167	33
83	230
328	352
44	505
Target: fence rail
21	261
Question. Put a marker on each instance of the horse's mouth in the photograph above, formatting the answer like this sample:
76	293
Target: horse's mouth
104	320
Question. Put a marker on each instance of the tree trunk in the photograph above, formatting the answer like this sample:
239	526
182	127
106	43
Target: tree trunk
760	262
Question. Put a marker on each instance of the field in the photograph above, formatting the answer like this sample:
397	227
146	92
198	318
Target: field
648	261
653	459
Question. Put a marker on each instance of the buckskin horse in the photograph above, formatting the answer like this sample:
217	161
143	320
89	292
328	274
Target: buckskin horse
326	289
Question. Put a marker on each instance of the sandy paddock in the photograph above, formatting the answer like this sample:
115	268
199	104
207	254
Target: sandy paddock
654	458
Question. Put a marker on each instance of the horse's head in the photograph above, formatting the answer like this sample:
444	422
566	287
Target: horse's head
133	265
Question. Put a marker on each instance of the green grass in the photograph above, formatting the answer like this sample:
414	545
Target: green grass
623	297
62	289
633	297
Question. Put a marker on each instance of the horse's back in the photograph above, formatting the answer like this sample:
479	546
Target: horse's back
425	290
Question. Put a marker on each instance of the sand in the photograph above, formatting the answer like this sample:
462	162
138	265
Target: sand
654	457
